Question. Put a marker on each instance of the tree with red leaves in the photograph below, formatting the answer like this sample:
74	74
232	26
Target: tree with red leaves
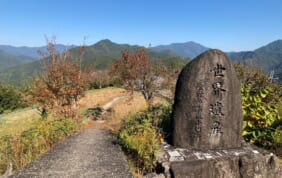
138	73
62	84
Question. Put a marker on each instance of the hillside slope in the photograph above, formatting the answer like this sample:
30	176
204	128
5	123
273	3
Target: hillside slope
8	60
32	52
101	55
268	57
189	49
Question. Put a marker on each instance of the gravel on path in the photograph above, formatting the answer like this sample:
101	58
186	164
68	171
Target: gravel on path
90	153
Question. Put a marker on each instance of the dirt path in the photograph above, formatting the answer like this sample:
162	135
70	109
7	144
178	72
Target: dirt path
91	153
113	101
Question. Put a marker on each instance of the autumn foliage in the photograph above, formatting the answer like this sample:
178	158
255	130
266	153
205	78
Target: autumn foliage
126	69
62	84
138	73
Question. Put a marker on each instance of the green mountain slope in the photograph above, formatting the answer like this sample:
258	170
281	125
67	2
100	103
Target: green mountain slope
189	49
9	60
32	52
101	55
268	57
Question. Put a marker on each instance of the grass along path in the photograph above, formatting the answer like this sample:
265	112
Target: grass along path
16	122
90	153
125	107
113	101
19	121
99	97
22	120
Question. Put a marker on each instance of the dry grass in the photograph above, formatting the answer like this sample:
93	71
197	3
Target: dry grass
122	108
100	97
127	107
17	122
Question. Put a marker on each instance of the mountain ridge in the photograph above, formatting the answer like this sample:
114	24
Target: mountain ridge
104	52
101	55
267	57
32	52
189	49
8	60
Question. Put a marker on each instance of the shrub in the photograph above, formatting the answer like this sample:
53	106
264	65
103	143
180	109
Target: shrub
30	144
277	136
140	135
260	103
10	99
116	82
141	142
259	116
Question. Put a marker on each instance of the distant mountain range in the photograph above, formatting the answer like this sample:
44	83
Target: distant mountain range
32	52
101	55
268	57
189	49
12	56
18	64
9	59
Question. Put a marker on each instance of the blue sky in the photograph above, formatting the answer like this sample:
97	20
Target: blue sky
228	25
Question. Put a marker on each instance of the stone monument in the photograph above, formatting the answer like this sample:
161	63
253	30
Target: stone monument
207	110
207	126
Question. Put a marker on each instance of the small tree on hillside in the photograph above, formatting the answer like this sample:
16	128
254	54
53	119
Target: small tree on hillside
62	83
10	98
126	69
151	76
138	72
100	79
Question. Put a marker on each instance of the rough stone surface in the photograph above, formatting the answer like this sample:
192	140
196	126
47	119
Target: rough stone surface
191	169
154	175
207	110
245	162
91	153
95	113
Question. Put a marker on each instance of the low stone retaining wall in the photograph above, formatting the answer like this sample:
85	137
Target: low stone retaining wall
245	162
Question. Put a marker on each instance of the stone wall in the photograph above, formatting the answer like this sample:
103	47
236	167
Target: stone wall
245	162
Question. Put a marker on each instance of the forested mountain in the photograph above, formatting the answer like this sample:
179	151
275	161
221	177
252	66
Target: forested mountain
104	52
8	60
189	49
32	52
100	55
268	57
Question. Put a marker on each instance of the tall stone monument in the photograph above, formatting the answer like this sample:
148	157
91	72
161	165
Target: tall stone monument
207	110
207	126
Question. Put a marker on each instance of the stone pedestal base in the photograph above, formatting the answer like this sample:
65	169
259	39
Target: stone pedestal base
245	162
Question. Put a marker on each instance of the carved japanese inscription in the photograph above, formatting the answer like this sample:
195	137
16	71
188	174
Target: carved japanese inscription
207	110
197	108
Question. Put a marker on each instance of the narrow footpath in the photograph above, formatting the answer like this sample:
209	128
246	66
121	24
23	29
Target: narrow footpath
90	153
